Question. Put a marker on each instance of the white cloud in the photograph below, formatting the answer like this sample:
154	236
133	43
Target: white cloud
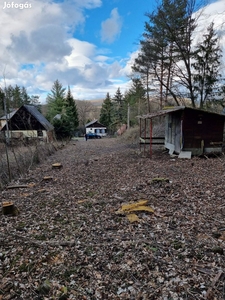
36	47
111	28
82	52
34	35
39	45
101	58
127	69
214	12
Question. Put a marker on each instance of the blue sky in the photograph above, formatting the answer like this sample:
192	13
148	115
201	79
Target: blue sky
87	44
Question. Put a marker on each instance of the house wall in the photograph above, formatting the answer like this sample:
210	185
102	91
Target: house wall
99	130
27	133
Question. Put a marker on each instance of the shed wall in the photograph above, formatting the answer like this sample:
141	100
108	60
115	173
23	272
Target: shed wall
194	130
202	130
173	132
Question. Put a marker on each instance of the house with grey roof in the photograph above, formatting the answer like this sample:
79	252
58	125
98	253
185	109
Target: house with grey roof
96	127
27	122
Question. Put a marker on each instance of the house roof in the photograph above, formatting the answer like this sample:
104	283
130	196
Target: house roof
9	115
173	109
35	113
93	122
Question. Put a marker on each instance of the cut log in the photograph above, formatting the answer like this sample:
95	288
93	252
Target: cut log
47	178
8	208
160	180
57	166
17	186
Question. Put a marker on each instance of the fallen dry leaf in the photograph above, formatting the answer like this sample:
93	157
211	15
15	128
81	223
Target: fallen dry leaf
133	218
57	248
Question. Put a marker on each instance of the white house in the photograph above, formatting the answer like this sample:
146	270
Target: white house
96	127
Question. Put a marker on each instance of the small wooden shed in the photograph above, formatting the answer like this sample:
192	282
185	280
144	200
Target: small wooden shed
96	127
188	129
28	122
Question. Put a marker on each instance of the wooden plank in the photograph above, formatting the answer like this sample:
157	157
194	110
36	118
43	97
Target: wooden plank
142	141
153	138
148	143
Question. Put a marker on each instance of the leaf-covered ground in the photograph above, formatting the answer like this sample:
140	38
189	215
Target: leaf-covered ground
70	242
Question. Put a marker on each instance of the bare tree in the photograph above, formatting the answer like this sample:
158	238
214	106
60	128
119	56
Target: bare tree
86	111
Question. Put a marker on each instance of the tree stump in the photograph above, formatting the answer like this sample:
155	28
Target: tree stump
57	166
8	208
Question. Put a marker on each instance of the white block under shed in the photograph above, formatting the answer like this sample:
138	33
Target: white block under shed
185	154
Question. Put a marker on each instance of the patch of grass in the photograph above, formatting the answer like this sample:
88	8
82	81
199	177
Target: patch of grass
88	205
26	267
40	237
88	250
118	219
150	248
90	194
21	226
177	245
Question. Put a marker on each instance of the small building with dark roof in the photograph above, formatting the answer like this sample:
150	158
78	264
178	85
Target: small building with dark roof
27	122
188	129
96	127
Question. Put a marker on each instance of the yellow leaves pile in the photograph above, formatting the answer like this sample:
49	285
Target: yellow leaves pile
129	208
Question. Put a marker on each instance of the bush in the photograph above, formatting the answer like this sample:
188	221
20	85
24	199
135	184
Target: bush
21	159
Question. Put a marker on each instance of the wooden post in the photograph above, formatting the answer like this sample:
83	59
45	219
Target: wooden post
140	133
150	138
145	136
128	116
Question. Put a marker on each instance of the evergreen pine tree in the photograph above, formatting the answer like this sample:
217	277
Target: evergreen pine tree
119	108
62	111
71	111
167	47
206	66
135	98
106	113
55	100
24	96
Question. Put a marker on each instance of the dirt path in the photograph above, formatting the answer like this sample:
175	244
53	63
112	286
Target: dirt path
69	242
